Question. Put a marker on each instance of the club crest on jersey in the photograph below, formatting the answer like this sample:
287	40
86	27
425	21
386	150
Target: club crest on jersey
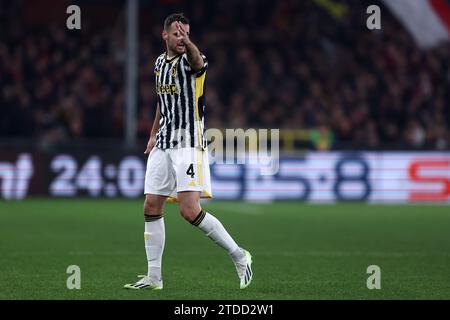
157	72
174	71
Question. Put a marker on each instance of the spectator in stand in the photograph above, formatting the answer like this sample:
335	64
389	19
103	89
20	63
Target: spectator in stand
273	64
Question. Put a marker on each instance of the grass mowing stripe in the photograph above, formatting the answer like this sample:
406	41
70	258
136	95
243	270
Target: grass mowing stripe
299	251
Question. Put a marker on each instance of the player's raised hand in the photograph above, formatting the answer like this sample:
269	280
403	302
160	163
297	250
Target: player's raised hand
150	145
183	33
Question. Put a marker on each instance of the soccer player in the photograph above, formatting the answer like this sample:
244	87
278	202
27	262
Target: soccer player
177	165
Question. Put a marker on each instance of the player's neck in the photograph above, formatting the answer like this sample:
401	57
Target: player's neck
170	54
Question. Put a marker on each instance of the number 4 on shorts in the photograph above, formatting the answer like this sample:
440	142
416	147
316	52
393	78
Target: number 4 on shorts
190	171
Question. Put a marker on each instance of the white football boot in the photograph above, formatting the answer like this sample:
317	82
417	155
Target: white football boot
244	269
145	282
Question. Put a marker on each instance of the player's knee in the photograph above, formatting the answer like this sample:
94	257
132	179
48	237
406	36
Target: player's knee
151	208
189	212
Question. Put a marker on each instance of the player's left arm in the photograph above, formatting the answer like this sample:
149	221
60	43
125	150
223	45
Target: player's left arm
194	57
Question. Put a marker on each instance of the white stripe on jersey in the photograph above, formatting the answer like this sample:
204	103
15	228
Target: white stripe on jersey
165	80
194	115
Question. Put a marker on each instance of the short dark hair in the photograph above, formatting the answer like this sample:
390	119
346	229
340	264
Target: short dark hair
180	17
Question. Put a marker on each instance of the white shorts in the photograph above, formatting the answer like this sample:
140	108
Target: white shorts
179	169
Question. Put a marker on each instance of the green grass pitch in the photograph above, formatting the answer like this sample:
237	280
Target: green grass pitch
299	251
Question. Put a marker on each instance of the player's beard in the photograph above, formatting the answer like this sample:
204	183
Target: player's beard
179	49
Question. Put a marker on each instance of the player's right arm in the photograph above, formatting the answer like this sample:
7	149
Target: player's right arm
152	141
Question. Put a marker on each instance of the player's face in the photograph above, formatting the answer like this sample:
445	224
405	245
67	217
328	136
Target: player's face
173	38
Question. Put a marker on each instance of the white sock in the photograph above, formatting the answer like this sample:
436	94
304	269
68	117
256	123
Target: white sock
212	227
154	238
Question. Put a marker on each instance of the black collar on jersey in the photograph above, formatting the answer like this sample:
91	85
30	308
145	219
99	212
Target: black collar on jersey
173	58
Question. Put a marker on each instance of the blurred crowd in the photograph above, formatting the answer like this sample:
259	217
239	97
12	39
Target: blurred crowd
273	64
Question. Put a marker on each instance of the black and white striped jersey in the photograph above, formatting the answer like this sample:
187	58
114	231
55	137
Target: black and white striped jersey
181	98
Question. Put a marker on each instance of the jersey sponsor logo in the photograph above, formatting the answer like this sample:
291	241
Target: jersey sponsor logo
170	89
